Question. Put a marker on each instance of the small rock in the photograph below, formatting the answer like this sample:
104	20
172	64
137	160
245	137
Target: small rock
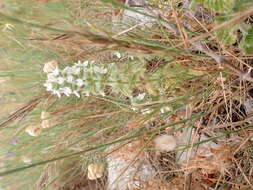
165	143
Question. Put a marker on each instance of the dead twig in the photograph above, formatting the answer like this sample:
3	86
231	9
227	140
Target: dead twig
232	124
22	112
245	76
245	177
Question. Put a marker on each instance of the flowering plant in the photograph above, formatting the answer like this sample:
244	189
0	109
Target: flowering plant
85	78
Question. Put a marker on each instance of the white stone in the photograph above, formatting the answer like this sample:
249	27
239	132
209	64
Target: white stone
165	143
123	175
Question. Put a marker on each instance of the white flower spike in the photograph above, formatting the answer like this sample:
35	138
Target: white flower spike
87	78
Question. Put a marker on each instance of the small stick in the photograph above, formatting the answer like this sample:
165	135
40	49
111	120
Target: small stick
245	76
245	177
129	29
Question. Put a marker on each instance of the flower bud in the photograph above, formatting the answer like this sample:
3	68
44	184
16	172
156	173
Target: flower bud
26	160
50	66
96	170
33	130
44	115
45	122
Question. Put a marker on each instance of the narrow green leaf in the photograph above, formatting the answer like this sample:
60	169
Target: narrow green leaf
246	44
218	5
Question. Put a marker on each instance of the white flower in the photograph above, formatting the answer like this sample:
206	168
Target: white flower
165	143
96	170
57	93
82	64
51	77
90	69
70	79
79	82
146	111
76	70
49	86
76	93
103	70
33	130
50	66
66	70
60	80
70	71
66	90
85	63
55	72
79	64
165	109
140	96
96	69
117	54
100	69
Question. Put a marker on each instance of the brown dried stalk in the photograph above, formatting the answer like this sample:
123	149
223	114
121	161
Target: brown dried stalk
244	76
22	112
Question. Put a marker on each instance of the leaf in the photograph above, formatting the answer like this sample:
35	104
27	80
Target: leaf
218	5
226	35
196	72
246	44
242	4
